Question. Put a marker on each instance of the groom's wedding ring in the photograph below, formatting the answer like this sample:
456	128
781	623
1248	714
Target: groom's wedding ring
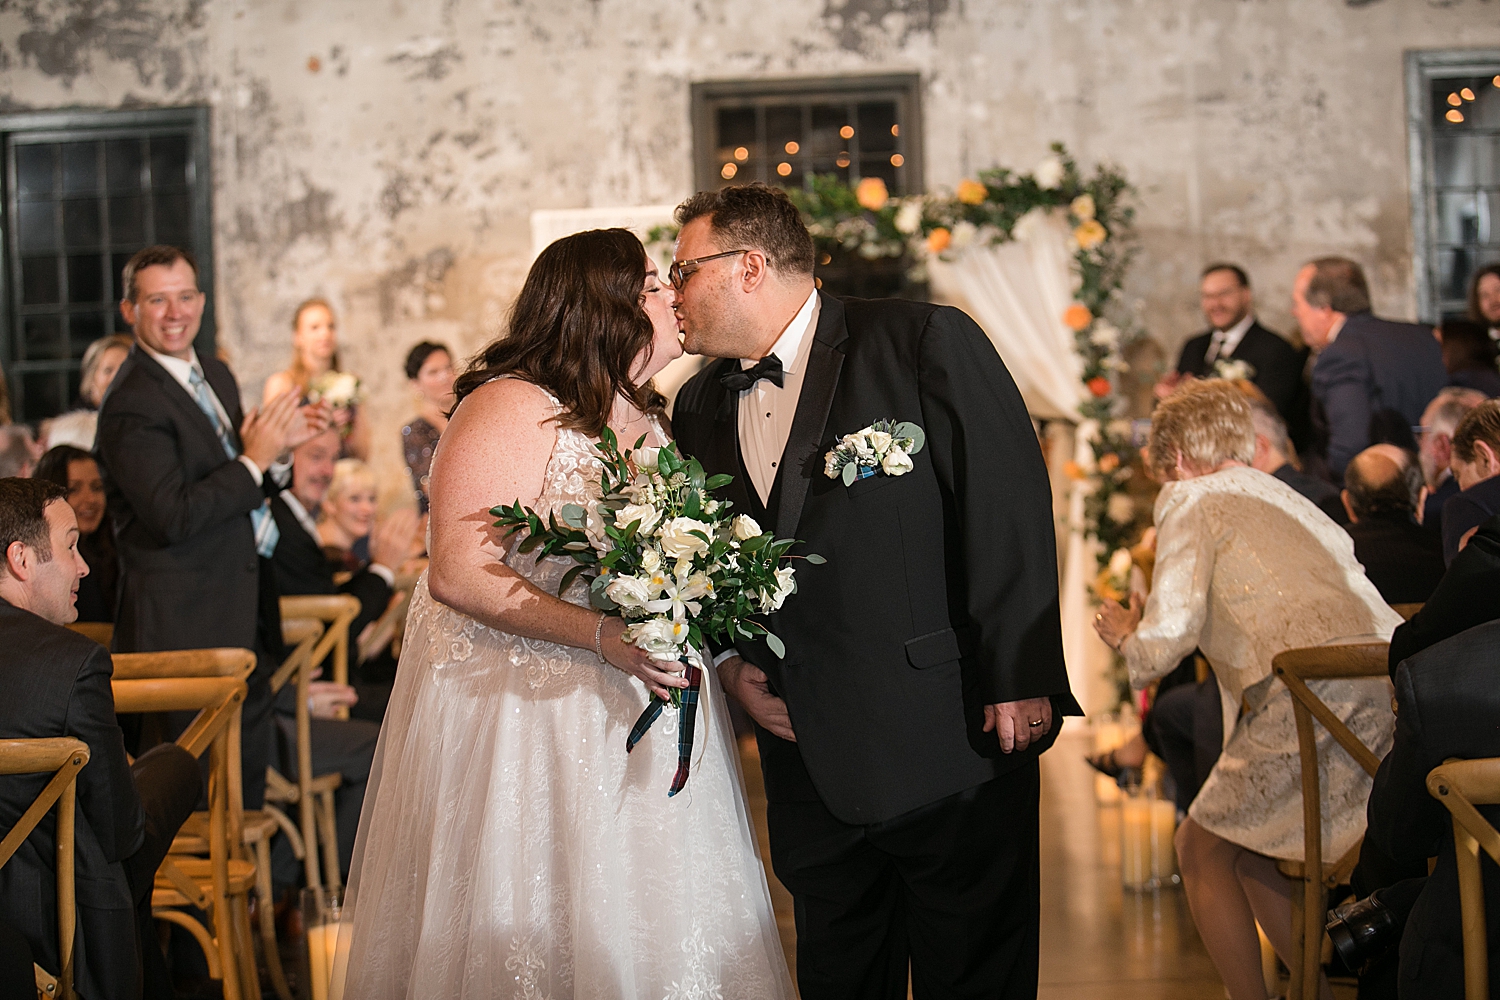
1033	725
1099	617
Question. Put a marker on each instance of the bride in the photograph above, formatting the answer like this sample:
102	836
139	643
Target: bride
509	847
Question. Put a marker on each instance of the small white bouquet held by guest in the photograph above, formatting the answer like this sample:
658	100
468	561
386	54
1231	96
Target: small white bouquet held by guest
342	391
659	551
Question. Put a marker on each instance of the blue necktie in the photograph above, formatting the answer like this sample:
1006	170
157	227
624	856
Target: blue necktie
261	520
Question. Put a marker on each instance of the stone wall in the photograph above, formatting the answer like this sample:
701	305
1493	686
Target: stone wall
386	153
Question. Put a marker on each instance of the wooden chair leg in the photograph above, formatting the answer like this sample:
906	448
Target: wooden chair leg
308	815
1314	909
244	942
1295	959
267	908
328	831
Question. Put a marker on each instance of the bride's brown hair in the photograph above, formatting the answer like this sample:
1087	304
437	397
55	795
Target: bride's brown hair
576	329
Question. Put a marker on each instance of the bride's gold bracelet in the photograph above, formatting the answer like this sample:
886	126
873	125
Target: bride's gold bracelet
599	638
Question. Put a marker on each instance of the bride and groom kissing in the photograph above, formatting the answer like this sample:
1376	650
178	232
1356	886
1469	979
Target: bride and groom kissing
511	848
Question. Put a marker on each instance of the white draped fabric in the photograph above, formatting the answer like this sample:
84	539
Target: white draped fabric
1018	292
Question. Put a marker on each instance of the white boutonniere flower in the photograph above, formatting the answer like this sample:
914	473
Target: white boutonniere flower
884	446
1233	368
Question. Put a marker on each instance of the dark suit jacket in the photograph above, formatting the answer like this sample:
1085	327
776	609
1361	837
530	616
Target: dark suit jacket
1468	509
303	568
1468	595
1448	701
1403	561
1432	512
189	574
1319	491
1374	366
1278	368
940	590
56	683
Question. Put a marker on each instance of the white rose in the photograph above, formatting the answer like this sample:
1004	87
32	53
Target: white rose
650	561
896	463
857	444
909	217
1049	174
1121	509
629	591
880	441
645	458
1105	334
963	234
745	528
785	585
1120	562
1083	206
831	464
659	637
643	512
1028	226
677	540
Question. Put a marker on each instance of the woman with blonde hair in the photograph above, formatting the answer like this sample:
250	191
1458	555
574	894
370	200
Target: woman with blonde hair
1246	568
348	515
315	355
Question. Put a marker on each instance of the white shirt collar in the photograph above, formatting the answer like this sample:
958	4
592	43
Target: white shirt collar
1230	338
1338	326
789	345
301	514
176	367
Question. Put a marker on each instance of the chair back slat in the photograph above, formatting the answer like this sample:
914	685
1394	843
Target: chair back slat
65	757
1461	785
101	632
224	662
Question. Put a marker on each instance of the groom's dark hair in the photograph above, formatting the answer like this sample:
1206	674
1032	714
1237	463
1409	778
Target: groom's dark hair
754	216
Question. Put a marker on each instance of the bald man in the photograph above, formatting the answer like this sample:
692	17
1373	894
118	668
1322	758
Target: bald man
1381	487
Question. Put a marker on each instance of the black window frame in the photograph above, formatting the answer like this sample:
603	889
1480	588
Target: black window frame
708	96
22	128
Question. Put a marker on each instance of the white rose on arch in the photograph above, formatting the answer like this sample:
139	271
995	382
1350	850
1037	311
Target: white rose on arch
1049	174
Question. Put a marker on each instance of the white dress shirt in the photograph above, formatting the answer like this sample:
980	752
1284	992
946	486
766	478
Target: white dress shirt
766	410
1225	341
183	371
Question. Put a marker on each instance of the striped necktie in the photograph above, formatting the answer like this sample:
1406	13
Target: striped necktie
261	520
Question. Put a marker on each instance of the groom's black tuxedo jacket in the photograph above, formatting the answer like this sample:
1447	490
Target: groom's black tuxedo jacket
939	595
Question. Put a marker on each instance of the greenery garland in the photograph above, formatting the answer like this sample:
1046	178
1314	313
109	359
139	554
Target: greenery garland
865	220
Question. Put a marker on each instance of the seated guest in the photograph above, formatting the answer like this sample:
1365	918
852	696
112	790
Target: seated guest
100	362
1369	371
1247	568
78	473
1447	705
303	568
348	515
1469	356
17	452
1468	595
1236	335
1484	298
1381	486
1272	451
57	683
1435	450
1476	466
315	354
429	368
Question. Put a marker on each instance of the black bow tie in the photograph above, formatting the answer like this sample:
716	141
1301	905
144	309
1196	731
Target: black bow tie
768	367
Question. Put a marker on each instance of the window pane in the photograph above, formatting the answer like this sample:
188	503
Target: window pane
83	330
86	279
37	227
174	219
169	161
874	127
127	220
44	393
39	284
1453	159
81	223
123	160
1484	112
80	162
117	264
784	126
42	339
34	167
1457	217
1487	160
869	166
823	138
1455	265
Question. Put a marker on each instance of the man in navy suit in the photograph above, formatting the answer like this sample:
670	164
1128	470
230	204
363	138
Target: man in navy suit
1235	335
1373	377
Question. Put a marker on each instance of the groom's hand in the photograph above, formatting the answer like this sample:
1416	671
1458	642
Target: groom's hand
748	684
1012	720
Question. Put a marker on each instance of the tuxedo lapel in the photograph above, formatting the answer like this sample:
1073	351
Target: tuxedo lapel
824	363
723	449
176	396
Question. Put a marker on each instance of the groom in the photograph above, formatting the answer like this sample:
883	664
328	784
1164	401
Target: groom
924	670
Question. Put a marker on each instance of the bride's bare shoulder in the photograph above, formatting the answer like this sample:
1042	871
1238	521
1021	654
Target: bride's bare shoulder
506	405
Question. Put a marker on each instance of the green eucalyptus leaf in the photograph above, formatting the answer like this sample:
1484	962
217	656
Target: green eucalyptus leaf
574	516
815	559
906	429
850	472
777	646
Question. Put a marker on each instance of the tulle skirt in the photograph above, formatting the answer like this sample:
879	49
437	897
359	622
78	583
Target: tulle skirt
510	847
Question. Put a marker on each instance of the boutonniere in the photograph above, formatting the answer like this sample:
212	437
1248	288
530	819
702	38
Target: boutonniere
1233	368
884	446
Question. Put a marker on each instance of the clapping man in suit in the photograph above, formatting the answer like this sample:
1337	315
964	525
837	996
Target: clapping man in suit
923	670
1373	377
1234	334
188	478
57	683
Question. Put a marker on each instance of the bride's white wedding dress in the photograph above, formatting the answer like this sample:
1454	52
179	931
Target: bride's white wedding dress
510	848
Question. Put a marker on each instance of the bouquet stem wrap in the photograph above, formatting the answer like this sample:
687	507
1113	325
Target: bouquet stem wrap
687	715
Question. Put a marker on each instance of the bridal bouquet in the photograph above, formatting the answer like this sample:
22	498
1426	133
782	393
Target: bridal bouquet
659	551
341	391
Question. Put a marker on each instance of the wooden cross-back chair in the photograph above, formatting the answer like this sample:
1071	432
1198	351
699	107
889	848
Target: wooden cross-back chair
219	884
64	758
1461	785
1295	667
101	632
311	793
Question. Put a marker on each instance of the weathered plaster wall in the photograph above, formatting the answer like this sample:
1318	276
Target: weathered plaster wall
386	153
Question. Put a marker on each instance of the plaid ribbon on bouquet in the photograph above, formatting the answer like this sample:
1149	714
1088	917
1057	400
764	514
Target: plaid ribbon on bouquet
687	715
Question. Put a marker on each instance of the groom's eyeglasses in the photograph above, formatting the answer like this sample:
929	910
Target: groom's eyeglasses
682	270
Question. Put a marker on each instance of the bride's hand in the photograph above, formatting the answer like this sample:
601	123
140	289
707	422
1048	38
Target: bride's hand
656	675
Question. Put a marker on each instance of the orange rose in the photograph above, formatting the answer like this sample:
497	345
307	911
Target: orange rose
1109	462
1090	234
1073	471
1077	316
1099	386
938	240
971	192
871	194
